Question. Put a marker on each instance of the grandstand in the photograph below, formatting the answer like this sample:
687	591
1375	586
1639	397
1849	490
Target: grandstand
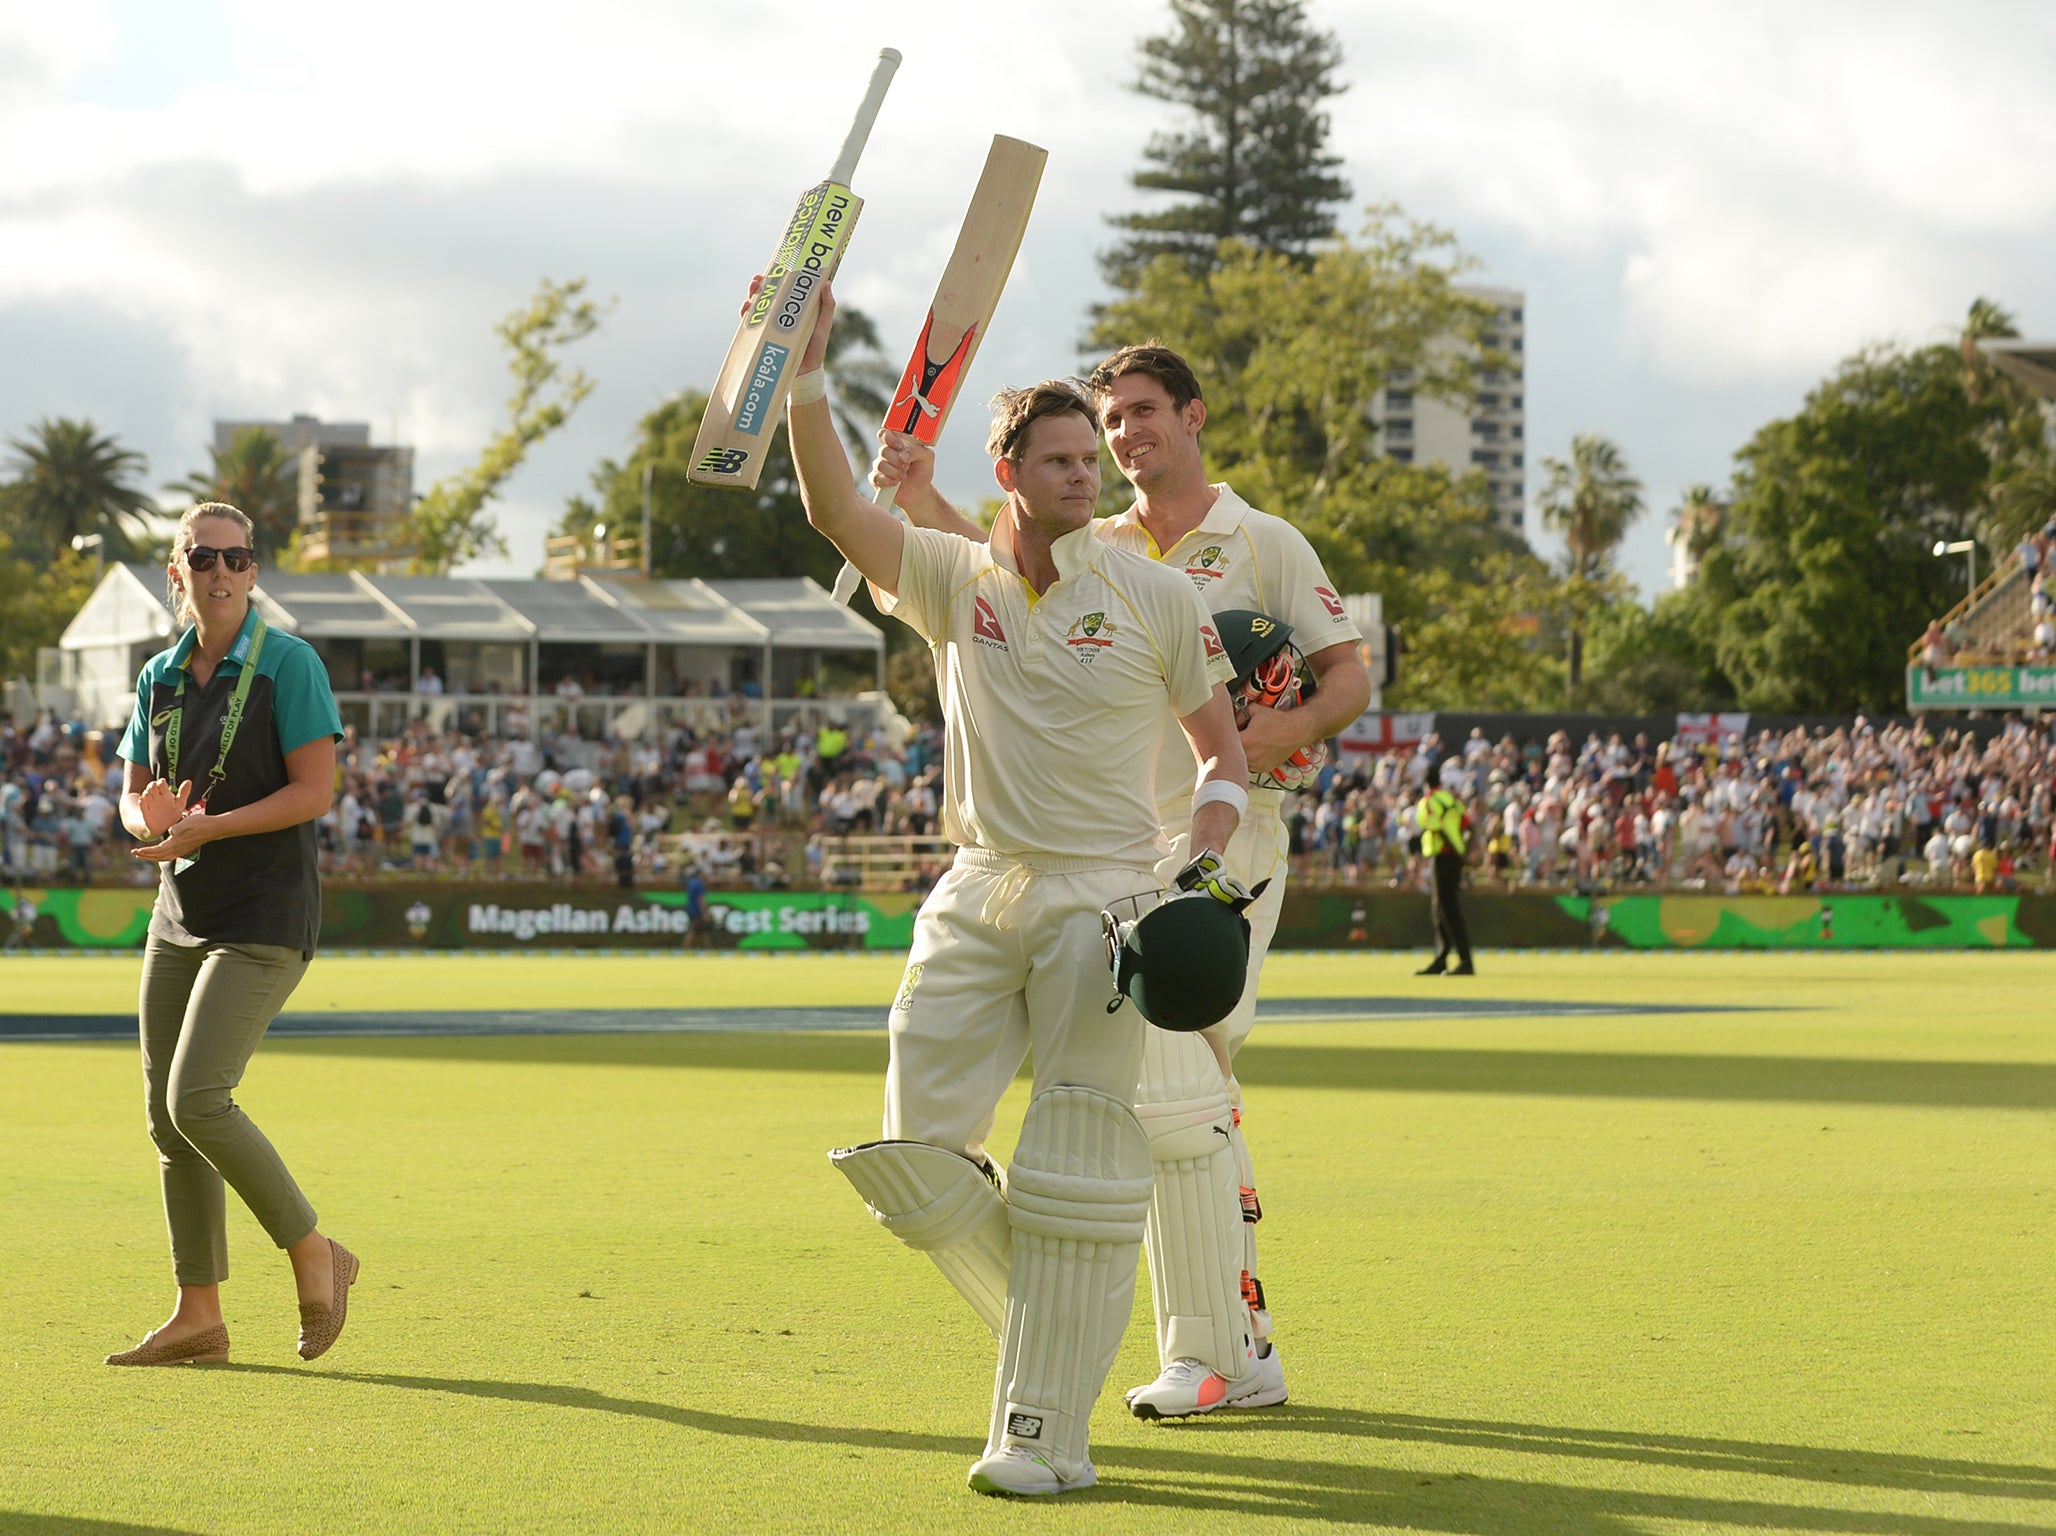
1993	650
598	658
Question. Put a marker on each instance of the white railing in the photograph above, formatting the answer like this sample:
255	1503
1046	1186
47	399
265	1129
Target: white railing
623	717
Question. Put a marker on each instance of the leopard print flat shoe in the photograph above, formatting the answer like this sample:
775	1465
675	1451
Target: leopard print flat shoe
322	1324
209	1348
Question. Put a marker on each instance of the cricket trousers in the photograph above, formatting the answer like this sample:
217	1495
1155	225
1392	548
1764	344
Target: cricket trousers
203	1009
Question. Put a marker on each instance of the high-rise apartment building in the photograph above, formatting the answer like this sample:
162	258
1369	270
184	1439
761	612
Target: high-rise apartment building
1419	428
355	496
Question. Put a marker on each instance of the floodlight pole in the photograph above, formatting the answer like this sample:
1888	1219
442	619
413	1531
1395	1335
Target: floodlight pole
1961	547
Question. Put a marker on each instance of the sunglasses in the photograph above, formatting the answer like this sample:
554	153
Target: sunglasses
201	558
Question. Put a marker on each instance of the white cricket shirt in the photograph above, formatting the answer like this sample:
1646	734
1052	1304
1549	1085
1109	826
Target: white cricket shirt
1237	557
1053	705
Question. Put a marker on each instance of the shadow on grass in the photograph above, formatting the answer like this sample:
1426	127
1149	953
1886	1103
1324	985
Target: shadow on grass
1610	1074
18	1522
1213	1478
1553	1074
1861	1469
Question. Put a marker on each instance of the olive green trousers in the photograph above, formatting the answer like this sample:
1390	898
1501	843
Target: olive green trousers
203	1009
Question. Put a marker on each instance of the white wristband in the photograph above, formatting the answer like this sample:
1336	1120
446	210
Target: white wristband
809	387
1224	792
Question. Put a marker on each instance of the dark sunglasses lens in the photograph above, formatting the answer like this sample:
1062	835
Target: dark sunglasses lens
201	558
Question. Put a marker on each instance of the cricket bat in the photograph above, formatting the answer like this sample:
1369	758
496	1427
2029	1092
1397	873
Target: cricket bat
757	373
963	304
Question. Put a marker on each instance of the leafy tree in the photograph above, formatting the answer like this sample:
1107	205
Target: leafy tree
1700	519
255	474
2021	496
1825	574
1644	661
1590	501
1254	164
38	598
1478	641
69	480
705	530
450	523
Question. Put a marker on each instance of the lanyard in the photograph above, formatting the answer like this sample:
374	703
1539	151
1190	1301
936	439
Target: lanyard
229	723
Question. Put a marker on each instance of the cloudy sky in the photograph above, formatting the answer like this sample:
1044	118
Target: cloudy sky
247	208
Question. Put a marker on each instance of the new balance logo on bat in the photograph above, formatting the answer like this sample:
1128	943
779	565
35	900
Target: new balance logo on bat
723	461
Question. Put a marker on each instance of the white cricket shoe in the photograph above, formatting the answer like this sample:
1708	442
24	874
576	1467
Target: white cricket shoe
1188	1387
1017	1470
1264	1386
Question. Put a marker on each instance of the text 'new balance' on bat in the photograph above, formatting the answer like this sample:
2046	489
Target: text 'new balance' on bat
757	373
964	302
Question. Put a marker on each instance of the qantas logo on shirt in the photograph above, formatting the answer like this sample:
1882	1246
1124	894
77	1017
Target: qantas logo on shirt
1213	642
985	624
1329	601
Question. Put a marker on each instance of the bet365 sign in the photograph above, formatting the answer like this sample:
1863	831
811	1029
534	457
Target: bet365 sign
1981	687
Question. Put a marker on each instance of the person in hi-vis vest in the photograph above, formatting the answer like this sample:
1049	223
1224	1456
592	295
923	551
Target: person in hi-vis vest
1441	818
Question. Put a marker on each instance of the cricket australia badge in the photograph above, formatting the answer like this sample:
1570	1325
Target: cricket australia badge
1208	566
1089	635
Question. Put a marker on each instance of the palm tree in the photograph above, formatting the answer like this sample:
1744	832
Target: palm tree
258	475
69	481
1590	501
1700	514
1985	321
863	380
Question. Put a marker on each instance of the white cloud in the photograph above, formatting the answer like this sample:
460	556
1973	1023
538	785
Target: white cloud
44	48
329	215
1787	182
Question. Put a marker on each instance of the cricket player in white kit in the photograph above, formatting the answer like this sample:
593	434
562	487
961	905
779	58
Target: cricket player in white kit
1213	1328
1057	656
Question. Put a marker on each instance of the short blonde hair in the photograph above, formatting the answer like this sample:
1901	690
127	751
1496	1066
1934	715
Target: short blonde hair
1014	411
181	601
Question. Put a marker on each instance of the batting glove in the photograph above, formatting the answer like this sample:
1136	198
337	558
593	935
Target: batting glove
1205	873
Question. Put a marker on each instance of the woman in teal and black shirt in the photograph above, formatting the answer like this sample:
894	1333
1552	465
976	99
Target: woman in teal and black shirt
244	712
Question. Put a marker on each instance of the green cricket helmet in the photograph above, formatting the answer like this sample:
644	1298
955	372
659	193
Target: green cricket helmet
1183	958
1251	640
1268	668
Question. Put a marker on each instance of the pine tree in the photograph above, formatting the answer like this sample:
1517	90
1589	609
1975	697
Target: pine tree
1255	165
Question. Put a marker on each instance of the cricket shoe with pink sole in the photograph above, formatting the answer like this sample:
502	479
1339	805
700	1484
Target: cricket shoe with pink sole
1187	1388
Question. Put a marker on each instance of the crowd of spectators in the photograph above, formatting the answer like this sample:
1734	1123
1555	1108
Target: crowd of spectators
1860	807
1852	808
744	806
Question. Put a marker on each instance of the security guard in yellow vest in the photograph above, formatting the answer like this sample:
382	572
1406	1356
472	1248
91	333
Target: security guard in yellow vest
1440	816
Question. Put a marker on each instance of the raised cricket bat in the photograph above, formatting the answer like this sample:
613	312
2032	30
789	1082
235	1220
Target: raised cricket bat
963	304
757	373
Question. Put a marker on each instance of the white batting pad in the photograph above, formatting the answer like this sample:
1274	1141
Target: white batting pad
941	1203
1077	1198
1195	1238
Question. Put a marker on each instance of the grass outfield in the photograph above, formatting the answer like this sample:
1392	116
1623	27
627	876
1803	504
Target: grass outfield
1777	1270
